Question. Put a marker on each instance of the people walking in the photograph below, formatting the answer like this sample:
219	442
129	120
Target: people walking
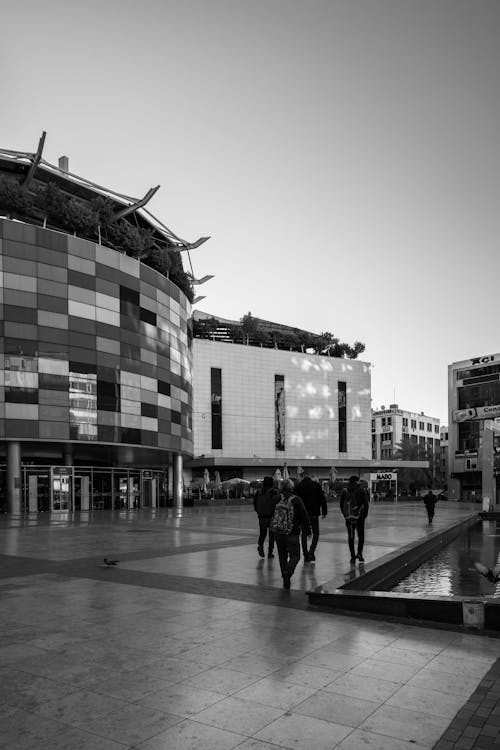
354	504
264	504
289	519
430	501
314	501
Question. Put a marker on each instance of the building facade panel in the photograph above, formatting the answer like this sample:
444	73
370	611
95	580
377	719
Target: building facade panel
252	401
52	349
473	407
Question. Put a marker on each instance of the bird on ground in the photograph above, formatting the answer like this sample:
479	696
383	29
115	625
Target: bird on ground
109	562
491	574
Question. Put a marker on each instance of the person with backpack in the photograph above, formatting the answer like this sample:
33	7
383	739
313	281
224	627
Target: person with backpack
354	503
314	500
264	504
289	519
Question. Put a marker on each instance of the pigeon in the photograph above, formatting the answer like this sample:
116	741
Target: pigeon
492	574
109	562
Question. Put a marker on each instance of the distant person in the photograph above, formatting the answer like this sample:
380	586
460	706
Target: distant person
289	519
430	501
354	504
264	504
314	500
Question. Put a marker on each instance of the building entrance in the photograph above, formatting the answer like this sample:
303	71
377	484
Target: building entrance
71	488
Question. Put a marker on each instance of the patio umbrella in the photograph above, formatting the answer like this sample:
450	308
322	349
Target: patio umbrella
206	480
277	475
217	478
286	473
333	474
300	472
234	481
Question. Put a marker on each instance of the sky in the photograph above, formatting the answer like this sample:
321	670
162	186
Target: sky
342	155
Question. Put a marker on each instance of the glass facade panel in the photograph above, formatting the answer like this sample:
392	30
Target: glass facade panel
83	406
216	397
481	394
279	412
342	407
468	436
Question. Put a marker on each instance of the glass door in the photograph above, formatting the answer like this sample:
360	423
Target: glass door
61	488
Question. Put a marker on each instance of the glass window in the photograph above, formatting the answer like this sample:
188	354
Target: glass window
342	407
279	412
83	406
216	399
468	436
481	394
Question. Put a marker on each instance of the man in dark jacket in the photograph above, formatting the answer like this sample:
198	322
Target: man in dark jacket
354	504
264	504
430	501
315	503
288	544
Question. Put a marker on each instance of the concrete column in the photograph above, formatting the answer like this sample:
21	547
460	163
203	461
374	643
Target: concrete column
487	466
14	477
177	482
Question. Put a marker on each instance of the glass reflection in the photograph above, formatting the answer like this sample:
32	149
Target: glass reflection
83	406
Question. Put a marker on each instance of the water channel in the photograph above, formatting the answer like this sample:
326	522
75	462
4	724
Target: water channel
451	571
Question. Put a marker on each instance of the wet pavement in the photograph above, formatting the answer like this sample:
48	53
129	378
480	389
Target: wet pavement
191	642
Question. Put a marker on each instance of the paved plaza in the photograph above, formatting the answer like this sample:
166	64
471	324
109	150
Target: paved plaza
191	642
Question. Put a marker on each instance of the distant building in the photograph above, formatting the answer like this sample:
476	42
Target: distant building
473	401
393	426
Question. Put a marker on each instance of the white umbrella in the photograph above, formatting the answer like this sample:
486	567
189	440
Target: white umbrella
333	473
206	480
277	475
300	472
286	473
233	481
217	478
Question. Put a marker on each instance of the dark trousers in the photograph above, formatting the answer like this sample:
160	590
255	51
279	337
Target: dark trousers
358	526
430	512
289	552
264	524
314	520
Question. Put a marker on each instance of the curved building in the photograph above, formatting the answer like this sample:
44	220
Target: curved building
96	362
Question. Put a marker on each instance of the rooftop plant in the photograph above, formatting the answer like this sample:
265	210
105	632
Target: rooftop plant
256	332
93	220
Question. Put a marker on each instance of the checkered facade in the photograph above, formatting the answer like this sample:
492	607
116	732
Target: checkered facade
95	345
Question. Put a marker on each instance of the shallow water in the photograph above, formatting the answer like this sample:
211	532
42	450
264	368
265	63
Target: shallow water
451	571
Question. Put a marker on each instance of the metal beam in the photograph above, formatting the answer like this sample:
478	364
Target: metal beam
35	161
139	204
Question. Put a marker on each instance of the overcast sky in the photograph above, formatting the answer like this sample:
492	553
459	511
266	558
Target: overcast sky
343	155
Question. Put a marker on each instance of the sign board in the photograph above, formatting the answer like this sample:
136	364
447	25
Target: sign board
384	476
475	413
492	424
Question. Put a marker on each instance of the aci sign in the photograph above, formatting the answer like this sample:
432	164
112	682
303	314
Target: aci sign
483	360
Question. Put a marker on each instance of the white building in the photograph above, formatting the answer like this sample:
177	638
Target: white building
473	403
392	426
257	408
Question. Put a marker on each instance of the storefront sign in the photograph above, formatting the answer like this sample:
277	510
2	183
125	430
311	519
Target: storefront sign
478	412
384	476
483	360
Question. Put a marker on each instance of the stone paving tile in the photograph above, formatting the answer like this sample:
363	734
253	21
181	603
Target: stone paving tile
192	643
